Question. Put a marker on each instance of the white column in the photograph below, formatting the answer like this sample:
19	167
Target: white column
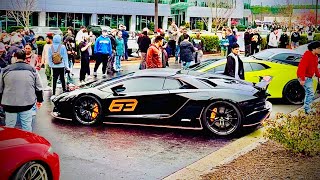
133	23
210	24
94	19
229	22
165	23
42	18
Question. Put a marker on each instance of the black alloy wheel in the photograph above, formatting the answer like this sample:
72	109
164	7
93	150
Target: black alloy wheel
293	92
87	110
222	118
32	170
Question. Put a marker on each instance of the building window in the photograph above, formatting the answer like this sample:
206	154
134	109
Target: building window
6	21
74	20
113	20
147	21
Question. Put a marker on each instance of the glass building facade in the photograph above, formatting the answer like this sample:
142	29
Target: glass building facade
75	20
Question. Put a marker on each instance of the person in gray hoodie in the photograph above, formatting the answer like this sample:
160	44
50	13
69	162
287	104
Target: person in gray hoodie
20	90
58	70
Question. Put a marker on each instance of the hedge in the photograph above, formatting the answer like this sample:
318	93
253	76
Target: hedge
14	28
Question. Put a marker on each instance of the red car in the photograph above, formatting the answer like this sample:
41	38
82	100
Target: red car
25	155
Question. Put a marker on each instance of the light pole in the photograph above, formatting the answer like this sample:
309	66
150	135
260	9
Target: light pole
155	15
317	4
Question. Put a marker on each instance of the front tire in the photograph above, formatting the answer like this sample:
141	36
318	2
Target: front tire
293	92
87	110
222	118
32	170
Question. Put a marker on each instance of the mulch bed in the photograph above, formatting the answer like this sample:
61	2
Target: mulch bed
269	161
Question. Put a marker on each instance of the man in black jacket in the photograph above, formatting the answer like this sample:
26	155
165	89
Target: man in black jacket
234	66
144	42
255	42
247	42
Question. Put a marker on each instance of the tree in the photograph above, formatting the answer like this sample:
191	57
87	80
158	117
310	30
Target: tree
287	11
22	11
220	13
308	18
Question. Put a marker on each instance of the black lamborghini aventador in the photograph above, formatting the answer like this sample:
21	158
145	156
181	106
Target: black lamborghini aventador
168	98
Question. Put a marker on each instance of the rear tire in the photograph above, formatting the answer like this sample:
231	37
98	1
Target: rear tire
32	170
293	92
87	110
222	118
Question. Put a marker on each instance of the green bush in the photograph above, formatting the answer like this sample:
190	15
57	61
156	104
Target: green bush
299	133
303	39
264	43
211	42
200	25
14	28
316	37
40	45
241	27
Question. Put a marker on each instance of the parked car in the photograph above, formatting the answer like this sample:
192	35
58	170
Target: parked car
284	82
97	29
189	100
25	155
41	32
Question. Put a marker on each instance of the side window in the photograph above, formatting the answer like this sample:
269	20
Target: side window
219	69
171	84
247	67
281	56
140	84
258	66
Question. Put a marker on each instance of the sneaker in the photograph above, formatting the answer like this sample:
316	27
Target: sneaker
95	74
71	85
82	83
120	69
104	75
52	97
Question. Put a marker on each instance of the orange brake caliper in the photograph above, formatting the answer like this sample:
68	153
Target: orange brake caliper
213	114
95	111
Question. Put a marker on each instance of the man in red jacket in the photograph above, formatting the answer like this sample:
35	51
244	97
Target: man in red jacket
308	67
154	53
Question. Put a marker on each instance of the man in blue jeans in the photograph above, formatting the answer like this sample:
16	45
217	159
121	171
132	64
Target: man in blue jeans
20	89
308	67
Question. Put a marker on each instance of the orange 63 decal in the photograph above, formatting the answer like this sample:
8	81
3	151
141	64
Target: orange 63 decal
126	105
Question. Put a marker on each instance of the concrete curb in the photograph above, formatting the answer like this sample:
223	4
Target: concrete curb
224	155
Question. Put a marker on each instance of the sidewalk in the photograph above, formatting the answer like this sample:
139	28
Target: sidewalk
252	157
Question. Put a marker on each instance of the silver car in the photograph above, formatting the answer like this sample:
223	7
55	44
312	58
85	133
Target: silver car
41	32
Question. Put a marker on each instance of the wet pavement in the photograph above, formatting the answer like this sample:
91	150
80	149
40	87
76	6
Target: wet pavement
125	152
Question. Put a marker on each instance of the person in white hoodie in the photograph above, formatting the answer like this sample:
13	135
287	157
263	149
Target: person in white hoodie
44	59
273	39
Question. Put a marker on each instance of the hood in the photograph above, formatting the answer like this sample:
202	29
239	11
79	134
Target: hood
10	137
184	43
56	39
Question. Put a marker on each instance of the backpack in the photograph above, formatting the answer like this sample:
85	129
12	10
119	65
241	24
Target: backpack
56	56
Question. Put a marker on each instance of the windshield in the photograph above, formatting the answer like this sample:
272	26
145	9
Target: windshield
263	55
199	66
96	83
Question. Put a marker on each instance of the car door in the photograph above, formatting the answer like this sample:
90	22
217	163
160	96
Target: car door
138	97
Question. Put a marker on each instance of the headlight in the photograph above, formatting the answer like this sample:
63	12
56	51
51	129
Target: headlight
50	150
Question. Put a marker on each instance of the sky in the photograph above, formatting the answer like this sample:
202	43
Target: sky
281	2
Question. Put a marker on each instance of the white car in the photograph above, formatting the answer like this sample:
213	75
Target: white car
41	32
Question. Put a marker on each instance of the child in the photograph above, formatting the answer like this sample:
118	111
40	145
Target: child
224	43
119	51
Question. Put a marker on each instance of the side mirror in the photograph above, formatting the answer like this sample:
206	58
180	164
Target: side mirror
117	89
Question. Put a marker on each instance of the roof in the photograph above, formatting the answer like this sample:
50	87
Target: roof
282	50
159	72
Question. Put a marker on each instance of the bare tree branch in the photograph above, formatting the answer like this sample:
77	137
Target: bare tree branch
21	11
220	13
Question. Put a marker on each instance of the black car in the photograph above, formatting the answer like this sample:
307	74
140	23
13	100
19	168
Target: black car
168	98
